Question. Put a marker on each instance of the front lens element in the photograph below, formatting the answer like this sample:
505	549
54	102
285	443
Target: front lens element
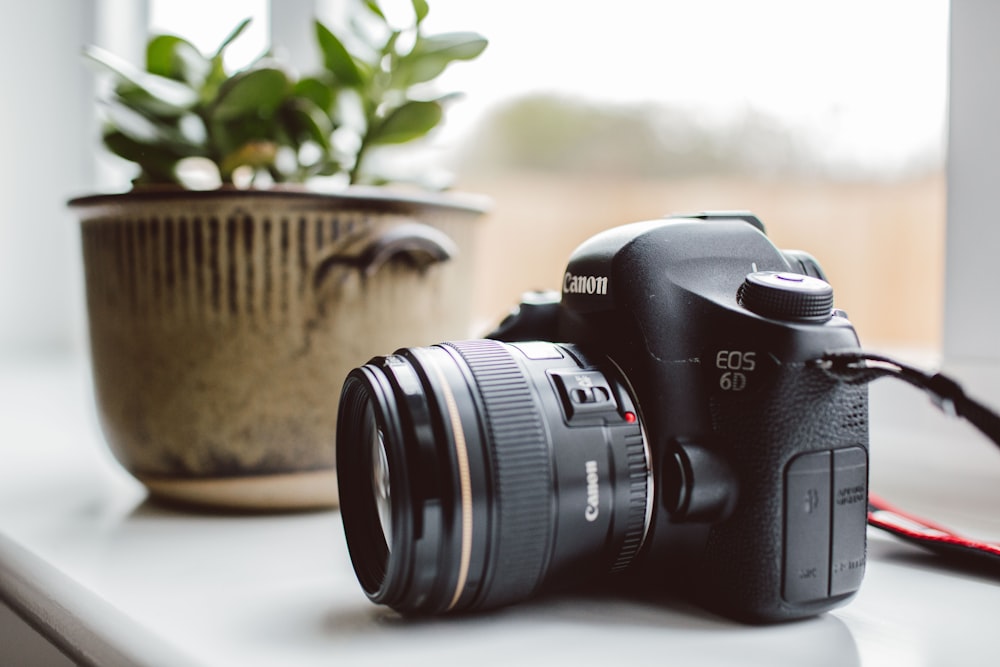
469	476
380	484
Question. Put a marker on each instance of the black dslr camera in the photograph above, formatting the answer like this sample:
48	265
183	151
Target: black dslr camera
659	426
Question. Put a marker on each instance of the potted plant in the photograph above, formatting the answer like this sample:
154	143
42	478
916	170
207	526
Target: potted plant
223	321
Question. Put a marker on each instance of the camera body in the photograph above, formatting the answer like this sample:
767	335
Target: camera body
759	463
662	424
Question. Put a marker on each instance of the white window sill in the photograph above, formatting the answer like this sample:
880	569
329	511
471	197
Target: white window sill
107	572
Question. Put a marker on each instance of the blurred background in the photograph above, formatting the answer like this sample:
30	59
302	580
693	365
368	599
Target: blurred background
827	119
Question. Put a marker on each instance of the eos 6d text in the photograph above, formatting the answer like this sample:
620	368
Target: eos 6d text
736	364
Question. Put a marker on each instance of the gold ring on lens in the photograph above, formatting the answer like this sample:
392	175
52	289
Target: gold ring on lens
464	483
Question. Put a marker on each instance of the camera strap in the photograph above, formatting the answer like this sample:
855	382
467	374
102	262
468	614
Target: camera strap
859	367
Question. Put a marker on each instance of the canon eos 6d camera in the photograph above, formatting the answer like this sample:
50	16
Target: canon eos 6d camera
659	426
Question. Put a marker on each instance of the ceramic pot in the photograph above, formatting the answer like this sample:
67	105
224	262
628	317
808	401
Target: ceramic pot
223	323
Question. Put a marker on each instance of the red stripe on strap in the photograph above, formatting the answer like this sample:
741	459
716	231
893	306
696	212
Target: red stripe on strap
931	535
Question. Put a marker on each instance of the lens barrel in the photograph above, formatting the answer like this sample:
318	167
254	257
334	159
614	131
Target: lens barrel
472	474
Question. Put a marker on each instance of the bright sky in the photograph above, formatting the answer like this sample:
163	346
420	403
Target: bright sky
869	77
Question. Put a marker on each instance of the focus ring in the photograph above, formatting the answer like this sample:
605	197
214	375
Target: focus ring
522	471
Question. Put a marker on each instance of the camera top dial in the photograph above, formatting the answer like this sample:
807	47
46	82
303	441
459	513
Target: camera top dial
782	295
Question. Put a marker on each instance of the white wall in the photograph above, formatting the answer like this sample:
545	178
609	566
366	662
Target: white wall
292	35
47	123
972	287
49	132
52	152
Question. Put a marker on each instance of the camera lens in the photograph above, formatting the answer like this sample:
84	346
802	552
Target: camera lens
474	474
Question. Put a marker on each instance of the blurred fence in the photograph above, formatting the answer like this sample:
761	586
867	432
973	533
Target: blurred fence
881	243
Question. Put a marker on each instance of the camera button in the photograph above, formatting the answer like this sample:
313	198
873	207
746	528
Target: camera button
585	395
787	296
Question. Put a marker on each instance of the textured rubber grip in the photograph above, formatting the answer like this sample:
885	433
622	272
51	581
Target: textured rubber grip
521	473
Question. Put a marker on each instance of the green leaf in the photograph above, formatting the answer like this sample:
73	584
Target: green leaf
177	59
410	121
182	137
375	9
172	95
229	135
304	121
134	97
452	45
231	37
390	44
336	57
317	91
134	125
213	81
431	55
328	167
420	8
256	93
157	164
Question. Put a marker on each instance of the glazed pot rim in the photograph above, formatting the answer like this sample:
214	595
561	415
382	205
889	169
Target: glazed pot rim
357	196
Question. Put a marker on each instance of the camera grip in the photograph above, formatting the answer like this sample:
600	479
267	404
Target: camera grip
795	545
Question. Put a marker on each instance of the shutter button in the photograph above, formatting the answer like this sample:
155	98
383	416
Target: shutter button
787	296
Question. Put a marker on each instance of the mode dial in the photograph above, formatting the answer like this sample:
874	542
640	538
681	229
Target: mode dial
787	296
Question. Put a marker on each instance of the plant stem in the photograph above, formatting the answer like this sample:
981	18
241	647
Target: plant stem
355	173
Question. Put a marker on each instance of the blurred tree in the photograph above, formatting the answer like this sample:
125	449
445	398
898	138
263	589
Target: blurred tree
552	133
